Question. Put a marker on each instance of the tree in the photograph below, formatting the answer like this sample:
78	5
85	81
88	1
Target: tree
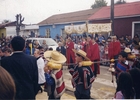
5	21
120	2
99	3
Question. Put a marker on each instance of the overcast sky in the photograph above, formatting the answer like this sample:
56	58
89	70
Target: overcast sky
35	11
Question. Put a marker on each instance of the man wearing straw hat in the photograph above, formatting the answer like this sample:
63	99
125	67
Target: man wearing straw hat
53	67
82	76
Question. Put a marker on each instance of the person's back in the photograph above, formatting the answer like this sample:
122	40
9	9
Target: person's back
23	69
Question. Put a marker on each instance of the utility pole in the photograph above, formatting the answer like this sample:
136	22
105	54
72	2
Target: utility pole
19	21
112	17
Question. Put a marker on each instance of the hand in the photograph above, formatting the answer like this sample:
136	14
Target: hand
80	64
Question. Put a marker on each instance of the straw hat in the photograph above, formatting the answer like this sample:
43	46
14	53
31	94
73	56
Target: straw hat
55	56
127	50
81	53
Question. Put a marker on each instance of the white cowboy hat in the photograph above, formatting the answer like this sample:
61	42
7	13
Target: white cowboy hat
127	50
81	53
55	56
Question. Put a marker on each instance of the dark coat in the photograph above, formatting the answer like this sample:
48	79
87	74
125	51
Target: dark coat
62	50
24	71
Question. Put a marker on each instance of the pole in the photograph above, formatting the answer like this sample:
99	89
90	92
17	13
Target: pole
112	17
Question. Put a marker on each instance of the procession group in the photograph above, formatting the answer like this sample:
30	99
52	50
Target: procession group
22	76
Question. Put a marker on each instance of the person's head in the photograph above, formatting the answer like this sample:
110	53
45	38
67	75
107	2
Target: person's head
80	56
17	43
1	52
36	53
127	45
88	38
59	44
114	38
41	49
7	52
125	85
7	85
122	56
93	40
44	41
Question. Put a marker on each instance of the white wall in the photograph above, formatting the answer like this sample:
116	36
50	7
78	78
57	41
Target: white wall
11	31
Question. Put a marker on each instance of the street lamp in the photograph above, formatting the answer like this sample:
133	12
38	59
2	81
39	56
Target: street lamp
112	17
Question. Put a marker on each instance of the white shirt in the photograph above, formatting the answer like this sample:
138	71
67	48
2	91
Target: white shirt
135	51
41	65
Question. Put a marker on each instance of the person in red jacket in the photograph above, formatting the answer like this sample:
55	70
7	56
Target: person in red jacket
95	56
70	55
114	49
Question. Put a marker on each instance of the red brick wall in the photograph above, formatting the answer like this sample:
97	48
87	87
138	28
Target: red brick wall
122	26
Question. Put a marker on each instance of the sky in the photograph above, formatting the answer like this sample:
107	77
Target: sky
35	11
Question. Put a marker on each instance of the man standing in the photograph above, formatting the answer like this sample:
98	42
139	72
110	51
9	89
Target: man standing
41	65
114	49
61	49
95	56
69	53
23	69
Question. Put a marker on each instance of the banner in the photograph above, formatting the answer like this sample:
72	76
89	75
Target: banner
80	29
98	28
69	29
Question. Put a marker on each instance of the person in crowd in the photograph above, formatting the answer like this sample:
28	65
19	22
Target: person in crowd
82	76
88	46
100	37
135	50
83	43
2	53
124	87
77	45
114	49
36	44
69	53
136	39
7	85
54	75
95	56
130	57
23	69
44	45
135	74
61	49
7	52
122	65
41	65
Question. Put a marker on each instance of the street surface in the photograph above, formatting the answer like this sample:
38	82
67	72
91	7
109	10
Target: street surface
102	87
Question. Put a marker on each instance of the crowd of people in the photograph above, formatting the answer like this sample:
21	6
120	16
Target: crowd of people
28	72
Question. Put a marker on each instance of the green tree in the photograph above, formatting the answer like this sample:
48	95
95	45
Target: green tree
99	3
120	2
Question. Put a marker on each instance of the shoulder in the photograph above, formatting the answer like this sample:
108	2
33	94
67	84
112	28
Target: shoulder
119	95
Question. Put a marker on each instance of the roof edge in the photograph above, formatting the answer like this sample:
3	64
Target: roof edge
65	23
117	17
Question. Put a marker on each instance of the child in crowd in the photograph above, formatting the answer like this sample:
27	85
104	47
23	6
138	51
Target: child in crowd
122	65
124	87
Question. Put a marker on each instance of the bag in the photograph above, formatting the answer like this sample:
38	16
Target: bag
49	79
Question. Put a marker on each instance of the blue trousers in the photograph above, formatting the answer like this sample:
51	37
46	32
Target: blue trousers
81	92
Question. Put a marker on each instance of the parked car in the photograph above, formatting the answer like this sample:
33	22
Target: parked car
49	41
